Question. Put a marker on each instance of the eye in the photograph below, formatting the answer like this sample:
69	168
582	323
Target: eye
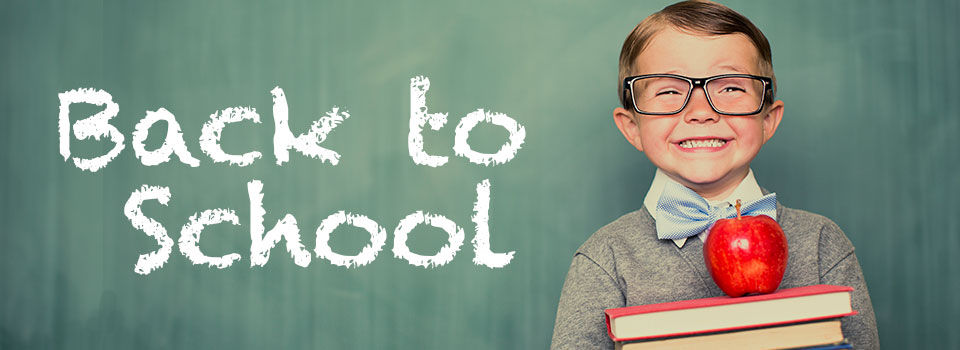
667	92
731	88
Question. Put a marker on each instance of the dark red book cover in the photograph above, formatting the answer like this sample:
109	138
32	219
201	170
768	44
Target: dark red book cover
612	314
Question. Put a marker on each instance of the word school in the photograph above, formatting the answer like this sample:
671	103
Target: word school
286	228
308	144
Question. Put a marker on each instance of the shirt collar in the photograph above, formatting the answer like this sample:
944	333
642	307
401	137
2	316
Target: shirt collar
747	190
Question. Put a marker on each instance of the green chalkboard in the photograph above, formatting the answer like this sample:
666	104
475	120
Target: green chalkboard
868	139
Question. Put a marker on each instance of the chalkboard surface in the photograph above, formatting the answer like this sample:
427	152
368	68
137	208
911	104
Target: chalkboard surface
868	139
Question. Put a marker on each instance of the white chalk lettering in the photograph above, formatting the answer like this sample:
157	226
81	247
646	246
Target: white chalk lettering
378	238
173	143
154	260
96	126
190	237
506	152
211	130
286	228
481	241
446	253
309	143
418	118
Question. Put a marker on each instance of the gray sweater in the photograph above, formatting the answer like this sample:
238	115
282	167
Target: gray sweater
624	264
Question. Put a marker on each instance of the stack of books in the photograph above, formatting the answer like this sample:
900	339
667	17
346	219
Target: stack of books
795	318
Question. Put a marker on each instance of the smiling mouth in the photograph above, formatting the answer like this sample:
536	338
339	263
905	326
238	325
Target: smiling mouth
708	143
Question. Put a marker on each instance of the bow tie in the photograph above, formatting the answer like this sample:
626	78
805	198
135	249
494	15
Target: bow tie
683	213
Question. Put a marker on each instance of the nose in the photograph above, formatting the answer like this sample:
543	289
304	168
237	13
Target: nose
698	108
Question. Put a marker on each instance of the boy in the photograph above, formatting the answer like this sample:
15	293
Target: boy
701	133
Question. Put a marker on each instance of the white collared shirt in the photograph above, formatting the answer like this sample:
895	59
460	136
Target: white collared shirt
747	191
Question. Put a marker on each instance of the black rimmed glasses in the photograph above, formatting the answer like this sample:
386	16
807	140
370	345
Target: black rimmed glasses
728	94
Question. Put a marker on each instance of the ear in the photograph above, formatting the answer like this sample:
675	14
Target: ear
628	126
772	119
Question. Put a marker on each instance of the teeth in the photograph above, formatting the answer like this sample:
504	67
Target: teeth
702	143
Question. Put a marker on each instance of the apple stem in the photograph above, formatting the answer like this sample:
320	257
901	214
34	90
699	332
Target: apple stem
738	209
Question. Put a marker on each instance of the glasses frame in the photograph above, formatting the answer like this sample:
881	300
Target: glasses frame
694	83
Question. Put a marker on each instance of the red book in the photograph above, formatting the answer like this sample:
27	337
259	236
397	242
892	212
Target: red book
726	314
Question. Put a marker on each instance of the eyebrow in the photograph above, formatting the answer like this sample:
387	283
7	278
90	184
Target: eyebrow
734	68
731	67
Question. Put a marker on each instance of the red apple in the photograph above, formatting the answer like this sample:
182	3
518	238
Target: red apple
746	254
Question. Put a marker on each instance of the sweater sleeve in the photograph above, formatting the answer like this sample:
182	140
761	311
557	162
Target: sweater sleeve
839	266
588	290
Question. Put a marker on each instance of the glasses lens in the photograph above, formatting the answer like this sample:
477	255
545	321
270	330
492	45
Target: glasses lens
660	94
736	95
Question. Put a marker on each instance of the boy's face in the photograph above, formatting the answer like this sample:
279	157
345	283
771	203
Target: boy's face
713	172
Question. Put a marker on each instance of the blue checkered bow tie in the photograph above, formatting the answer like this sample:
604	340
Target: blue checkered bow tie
683	213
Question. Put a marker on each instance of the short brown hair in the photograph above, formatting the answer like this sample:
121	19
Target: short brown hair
697	16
